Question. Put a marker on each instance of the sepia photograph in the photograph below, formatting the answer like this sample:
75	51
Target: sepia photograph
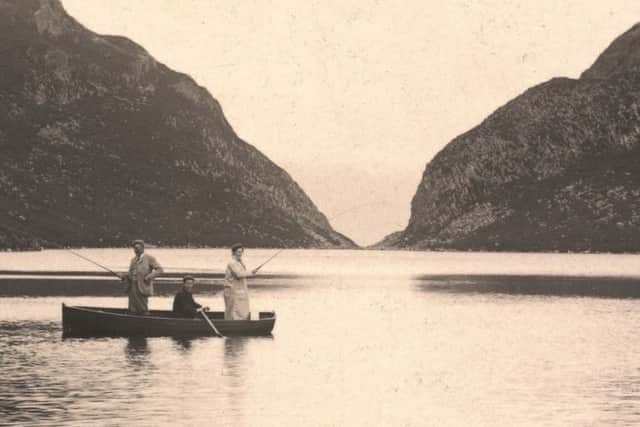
319	213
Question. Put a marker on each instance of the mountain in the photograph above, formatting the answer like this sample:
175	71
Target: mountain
555	169
101	143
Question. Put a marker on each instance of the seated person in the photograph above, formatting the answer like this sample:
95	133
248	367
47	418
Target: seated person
183	303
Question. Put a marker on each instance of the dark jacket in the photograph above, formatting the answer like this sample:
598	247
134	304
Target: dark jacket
184	305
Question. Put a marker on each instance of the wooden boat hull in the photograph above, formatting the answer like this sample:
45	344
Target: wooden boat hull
103	321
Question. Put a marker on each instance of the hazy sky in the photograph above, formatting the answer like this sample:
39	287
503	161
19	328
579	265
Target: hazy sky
353	98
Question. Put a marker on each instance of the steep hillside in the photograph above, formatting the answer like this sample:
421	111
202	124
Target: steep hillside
554	169
101	143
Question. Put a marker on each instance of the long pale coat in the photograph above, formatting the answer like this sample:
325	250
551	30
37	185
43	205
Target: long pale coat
236	294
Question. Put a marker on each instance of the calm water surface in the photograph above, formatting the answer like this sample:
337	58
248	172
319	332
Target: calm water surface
365	338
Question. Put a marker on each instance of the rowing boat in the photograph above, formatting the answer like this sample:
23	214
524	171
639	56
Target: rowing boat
102	321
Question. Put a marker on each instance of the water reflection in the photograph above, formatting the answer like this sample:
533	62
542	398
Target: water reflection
522	361
182	344
235	376
137	346
234	358
137	351
602	287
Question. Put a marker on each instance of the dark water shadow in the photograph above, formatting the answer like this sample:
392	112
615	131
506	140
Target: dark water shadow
33	400
19	326
176	275
44	287
30	391
570	286
27	332
87	286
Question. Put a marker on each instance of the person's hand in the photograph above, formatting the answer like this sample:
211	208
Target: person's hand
199	310
205	308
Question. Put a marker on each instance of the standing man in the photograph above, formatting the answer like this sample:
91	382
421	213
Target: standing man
142	270
236	294
183	304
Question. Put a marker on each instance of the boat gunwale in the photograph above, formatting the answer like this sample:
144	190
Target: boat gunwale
188	319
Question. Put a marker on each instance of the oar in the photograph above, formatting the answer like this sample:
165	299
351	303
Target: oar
272	257
213	327
95	263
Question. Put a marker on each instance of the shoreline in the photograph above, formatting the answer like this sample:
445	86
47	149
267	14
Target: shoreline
358	249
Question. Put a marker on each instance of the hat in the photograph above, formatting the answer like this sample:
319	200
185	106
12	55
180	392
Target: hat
187	277
236	246
137	241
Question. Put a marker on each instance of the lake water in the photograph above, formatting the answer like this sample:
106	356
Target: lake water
362	339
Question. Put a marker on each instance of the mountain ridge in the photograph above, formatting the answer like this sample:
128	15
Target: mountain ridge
547	171
104	143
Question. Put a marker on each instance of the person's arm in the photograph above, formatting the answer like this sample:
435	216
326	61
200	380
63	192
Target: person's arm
193	306
195	309
238	271
156	269
193	303
126	275
176	304
126	278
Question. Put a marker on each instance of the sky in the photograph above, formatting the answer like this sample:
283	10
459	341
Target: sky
353	98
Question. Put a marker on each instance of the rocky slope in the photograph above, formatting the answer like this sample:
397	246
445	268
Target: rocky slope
101	143
555	169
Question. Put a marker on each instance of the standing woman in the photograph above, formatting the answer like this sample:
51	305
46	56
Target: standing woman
236	294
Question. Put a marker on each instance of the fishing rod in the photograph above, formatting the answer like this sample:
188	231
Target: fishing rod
194	269
356	207
328	219
272	257
95	263
198	270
